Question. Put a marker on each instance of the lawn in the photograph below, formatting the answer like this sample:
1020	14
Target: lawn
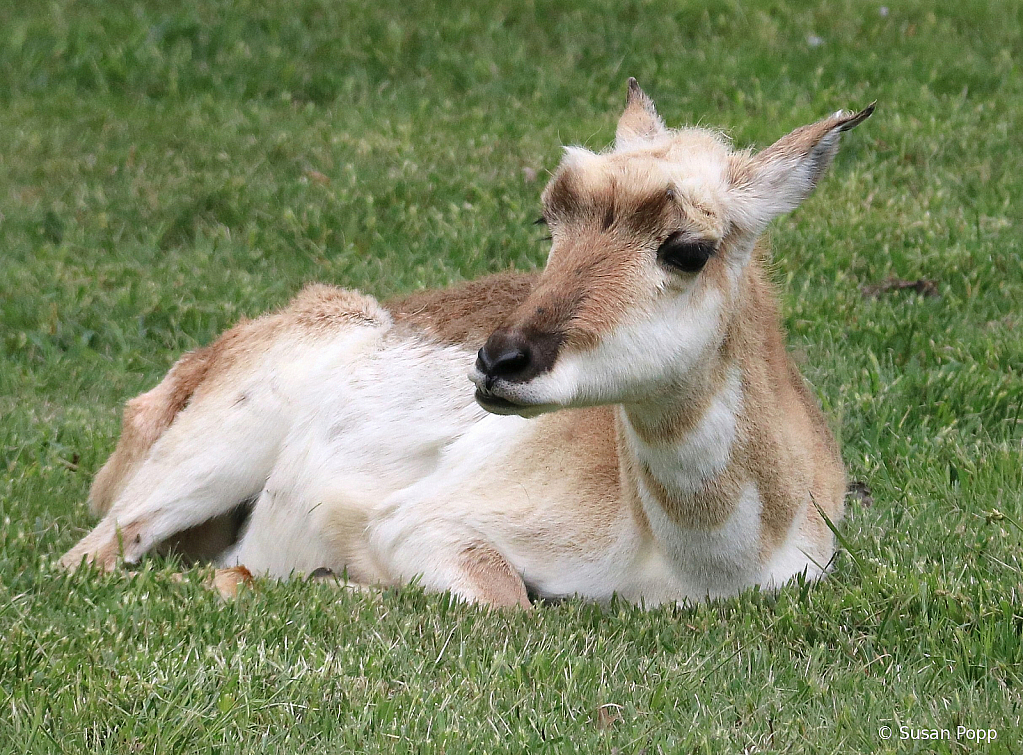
169	167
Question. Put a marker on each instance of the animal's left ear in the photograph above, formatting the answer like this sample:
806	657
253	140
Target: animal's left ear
778	179
640	121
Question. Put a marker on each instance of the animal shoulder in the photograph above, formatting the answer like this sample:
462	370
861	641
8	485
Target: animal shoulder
464	314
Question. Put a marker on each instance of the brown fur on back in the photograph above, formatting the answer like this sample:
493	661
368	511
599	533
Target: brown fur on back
465	314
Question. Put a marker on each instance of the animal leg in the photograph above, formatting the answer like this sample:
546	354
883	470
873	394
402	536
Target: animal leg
207	462
444	556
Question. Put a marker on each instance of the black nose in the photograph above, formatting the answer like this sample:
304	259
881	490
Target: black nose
504	355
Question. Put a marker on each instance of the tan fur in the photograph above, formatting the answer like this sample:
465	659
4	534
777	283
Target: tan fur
640	119
800	143
576	449
322	310
784	444
491	577
608	215
466	313
598	218
791	447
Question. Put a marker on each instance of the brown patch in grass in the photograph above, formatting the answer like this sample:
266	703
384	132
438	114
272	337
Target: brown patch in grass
858	490
923	286
608	715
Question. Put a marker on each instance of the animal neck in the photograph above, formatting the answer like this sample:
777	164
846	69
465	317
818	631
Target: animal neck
686	450
686	460
682	450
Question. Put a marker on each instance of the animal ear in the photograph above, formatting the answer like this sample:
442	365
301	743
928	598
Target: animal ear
778	179
639	122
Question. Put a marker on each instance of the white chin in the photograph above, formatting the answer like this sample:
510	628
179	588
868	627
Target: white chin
498	405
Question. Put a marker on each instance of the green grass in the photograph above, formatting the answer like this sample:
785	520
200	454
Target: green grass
162	174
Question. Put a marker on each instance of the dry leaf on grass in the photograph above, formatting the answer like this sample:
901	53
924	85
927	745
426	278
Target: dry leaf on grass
608	715
316	176
859	491
227	581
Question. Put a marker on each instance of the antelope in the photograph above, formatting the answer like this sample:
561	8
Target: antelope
637	427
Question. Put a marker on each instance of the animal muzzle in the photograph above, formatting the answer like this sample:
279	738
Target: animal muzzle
516	356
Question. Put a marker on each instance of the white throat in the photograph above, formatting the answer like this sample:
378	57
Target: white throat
685	464
715	550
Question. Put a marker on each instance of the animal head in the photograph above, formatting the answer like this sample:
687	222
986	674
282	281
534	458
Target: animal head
650	243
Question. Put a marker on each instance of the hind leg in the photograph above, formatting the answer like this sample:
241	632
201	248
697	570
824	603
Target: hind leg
216	454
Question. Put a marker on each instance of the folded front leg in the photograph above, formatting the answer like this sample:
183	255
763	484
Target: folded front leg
444	555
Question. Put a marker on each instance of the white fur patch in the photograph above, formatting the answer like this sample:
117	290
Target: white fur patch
579	157
704	453
634	360
373	426
713	562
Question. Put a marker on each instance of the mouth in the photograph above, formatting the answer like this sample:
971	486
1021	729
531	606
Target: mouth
500	405
497	404
494	402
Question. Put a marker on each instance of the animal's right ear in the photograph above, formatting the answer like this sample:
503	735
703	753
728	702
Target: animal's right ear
640	121
778	179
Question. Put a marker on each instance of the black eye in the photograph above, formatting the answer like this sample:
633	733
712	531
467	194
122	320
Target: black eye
687	256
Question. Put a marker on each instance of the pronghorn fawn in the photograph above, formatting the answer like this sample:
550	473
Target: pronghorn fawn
637	426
